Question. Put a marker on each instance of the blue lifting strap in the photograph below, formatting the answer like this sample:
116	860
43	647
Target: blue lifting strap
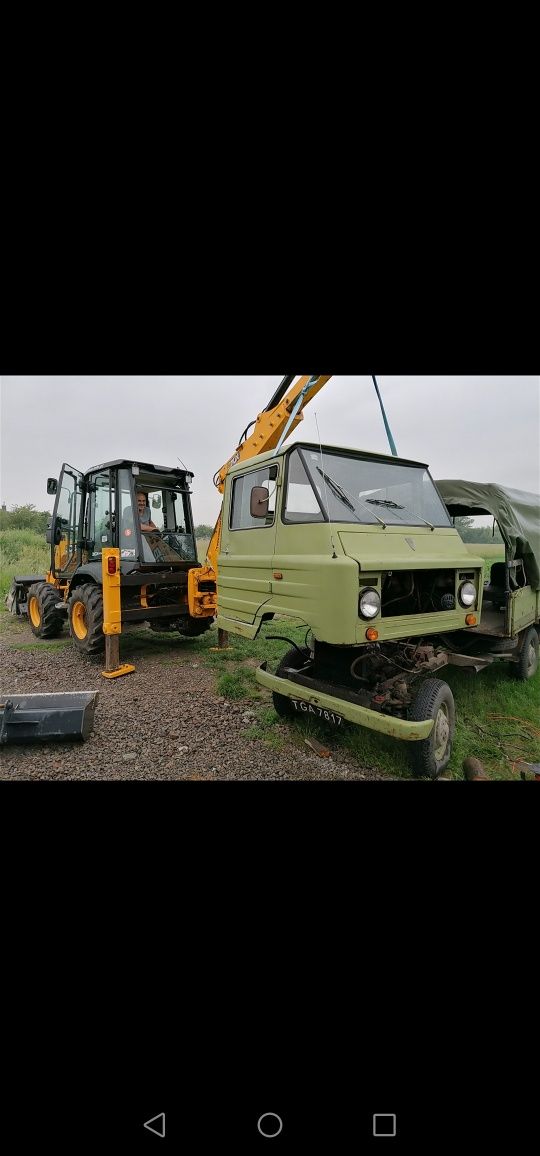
386	426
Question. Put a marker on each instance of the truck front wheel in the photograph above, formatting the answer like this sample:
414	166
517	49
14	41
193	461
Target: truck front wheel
527	664
295	658
434	700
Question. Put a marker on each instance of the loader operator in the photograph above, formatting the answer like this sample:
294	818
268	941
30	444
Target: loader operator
144	512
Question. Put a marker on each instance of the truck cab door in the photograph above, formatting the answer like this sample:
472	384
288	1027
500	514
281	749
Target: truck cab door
245	562
64	534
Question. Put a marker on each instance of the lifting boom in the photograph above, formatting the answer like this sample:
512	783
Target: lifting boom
281	416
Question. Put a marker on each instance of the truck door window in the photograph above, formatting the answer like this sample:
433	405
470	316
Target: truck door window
241	518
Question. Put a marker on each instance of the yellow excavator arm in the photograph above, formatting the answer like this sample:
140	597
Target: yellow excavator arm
281	416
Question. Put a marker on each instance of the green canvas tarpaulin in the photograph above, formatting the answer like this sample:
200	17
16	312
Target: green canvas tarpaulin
517	513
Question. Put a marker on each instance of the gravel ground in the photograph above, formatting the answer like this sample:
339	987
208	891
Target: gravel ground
164	721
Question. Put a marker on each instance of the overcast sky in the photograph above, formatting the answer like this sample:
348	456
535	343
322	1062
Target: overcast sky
479	428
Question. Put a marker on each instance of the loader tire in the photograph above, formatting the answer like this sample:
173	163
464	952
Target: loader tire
192	627
45	621
85	614
295	658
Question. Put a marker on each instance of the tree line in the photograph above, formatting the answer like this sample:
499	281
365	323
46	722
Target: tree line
468	532
24	518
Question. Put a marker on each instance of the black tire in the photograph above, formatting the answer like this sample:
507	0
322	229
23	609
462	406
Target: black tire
434	700
85	615
192	627
527	664
283	705
161	627
45	621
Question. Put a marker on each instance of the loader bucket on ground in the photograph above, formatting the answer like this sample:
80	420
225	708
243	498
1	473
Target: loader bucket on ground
30	717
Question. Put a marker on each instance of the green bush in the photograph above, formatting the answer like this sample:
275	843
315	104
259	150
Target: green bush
24	518
21	552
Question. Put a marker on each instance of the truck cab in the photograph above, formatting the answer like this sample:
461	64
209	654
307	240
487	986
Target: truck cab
357	545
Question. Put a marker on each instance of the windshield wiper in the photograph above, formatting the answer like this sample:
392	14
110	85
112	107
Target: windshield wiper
384	502
336	489
344	496
394	506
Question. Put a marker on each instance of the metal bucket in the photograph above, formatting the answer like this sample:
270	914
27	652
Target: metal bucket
37	717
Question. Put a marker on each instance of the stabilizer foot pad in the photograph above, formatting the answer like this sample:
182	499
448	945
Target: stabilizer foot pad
126	668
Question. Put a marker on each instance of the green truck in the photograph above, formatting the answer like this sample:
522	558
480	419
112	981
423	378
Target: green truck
509	625
361	548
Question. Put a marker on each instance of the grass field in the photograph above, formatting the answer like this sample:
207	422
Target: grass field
21	552
497	716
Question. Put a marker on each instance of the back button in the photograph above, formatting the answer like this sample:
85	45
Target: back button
156	1125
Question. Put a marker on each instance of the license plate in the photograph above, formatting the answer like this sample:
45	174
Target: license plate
329	716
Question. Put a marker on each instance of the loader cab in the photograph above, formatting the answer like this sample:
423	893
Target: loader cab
155	523
99	509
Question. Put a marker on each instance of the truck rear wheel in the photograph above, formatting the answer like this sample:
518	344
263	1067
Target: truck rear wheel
85	613
527	664
434	700
295	658
45	621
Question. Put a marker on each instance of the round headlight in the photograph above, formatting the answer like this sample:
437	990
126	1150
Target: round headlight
467	594
369	604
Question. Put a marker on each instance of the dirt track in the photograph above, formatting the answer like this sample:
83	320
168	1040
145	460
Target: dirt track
164	721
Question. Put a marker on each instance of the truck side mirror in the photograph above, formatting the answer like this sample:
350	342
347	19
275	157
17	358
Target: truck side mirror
258	505
52	485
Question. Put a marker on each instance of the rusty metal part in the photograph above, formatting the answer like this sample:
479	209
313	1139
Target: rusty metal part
323	752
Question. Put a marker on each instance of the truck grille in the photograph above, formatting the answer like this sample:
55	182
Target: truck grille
406	592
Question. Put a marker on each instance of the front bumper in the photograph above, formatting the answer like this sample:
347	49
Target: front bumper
385	724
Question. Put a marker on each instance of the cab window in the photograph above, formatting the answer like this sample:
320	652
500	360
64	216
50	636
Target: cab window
241	518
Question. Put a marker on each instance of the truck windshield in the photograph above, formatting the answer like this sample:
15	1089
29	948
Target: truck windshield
352	488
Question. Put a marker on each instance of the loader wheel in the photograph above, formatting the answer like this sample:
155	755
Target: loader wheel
283	705
85	613
192	627
434	700
527	664
45	621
